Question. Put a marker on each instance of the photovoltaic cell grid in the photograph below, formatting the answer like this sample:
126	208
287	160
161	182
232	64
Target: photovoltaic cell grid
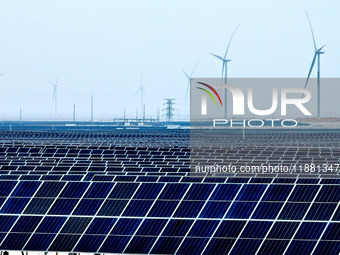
170	214
98	154
301	153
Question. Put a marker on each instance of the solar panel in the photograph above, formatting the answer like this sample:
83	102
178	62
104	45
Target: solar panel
138	208
77	195
6	222
192	245
63	206
38	242
163	208
89	243
151	227
101	226
321	211
14	241
256	229
251	245
114	244
267	210
51	224
166	245
310	230
63	242
14	205
293	211
6	188
240	210
88	207
301	247
113	207
126	226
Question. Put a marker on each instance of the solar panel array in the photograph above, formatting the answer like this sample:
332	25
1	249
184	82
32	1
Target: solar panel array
131	192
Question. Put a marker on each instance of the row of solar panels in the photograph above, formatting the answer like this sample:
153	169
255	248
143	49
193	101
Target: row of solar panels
59	147
114	167
300	192
143	166
167	177
165	162
152	160
95	133
153	153
154	138
87	150
138	165
169	217
161	236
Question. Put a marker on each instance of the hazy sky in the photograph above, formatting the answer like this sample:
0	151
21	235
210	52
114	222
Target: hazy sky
102	47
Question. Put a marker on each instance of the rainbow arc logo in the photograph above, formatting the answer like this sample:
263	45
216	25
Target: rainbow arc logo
209	93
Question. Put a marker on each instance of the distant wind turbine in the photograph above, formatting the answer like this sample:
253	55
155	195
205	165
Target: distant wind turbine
141	90
54	98
225	69
189	77
224	59
317	54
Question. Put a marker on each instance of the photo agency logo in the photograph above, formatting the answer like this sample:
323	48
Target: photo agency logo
236	127
250	102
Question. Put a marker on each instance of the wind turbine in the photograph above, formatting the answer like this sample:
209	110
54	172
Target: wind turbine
225	69
317	54
224	59
141	90
54	98
189	77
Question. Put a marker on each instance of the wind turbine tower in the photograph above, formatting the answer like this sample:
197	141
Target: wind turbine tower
91	108
74	112
141	90
317	54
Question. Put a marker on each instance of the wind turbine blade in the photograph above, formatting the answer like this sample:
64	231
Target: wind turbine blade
232	35
50	83
137	91
311	69
185	74
311	29
57	80
217	56
321	48
193	70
